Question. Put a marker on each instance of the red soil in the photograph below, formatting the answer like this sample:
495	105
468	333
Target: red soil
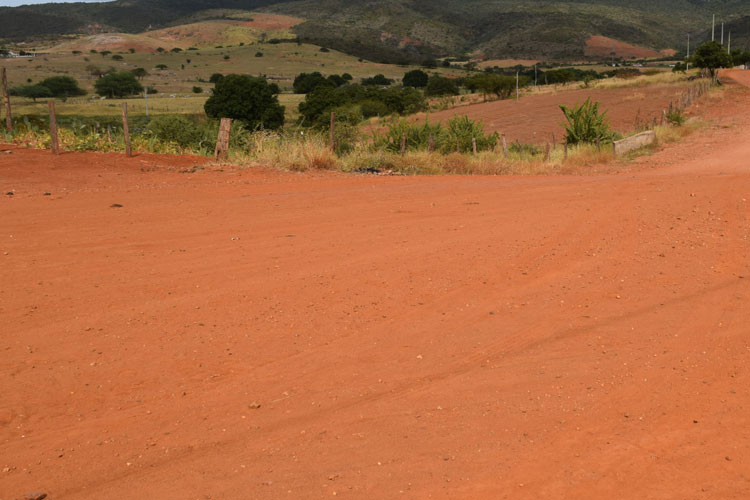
601	46
263	335
535	118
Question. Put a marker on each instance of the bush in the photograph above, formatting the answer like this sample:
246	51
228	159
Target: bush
197	90
675	117
161	66
120	84
458	136
117	57
259	54
216	78
416	78
177	129
63	86
151	90
226	57
586	124
440	86
251	100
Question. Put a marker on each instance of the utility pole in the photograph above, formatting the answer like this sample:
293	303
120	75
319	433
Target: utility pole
722	33
713	29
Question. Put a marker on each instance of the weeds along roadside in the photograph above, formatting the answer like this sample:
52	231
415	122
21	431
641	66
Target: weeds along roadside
402	148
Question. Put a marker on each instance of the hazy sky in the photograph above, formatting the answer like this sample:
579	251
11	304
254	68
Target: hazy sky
14	3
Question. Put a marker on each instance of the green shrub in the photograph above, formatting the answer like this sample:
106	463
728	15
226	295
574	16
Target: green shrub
675	117
586	124
197	90
440	86
177	129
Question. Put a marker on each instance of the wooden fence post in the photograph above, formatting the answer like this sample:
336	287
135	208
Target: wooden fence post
565	146
331	141
403	144
599	144
53	129
474	145
431	144
554	142
548	149
222	142
6	100
458	146
505	147
126	129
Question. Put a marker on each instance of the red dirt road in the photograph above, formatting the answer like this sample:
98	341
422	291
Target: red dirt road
264	335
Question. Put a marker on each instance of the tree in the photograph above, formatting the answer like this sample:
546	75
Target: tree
304	83
251	100
63	86
416	78
377	80
161	66
95	70
33	92
216	78
712	56
139	73
439	86
120	84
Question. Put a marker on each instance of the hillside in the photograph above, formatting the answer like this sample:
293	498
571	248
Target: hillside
411	30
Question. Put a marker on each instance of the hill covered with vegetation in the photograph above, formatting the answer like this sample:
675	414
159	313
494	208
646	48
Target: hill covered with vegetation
411	30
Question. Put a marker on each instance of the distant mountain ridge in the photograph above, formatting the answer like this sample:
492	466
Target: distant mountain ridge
414	30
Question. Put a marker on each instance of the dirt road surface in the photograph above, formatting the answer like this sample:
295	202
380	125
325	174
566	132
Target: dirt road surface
262	335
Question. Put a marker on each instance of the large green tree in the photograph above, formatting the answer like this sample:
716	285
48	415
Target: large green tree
415	78
251	100
712	56
120	84
63	86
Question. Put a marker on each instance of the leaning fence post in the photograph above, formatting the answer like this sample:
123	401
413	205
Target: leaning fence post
6	100
222	142
54	145
505	146
126	129
331	142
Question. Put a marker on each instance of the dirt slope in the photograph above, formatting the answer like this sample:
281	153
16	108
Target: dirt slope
263	335
534	119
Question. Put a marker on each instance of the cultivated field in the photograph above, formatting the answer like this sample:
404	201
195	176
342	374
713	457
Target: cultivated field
172	332
534	118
